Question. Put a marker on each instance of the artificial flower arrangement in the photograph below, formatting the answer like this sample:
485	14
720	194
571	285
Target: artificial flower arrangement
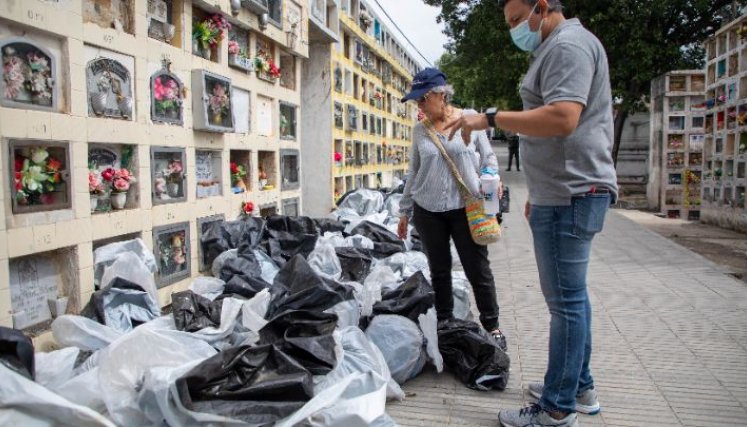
246	210
167	96
365	19
263	63
37	175
33	75
210	32
168	180
238	172
174	172
173	253
338	156
218	102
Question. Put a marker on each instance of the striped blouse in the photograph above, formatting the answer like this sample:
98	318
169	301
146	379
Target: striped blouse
430	183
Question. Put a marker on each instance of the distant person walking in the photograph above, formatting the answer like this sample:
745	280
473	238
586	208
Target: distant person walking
513	150
566	140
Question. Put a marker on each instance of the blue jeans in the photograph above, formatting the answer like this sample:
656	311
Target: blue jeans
562	244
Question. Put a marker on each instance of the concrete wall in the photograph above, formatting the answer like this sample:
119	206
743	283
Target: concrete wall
60	28
632	159
316	123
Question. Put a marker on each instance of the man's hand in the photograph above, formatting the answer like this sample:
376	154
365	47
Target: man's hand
467	124
402	227
527	210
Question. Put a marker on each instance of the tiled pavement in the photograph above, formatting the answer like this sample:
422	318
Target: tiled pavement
669	330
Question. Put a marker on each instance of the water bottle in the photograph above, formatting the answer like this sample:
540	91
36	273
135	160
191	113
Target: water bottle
489	184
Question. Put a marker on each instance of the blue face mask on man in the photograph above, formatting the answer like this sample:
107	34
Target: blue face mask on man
524	38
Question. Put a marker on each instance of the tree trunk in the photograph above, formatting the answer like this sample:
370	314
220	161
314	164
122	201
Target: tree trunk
620	118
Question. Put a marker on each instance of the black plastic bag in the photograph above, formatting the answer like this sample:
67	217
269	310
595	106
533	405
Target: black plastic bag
17	352
292	224
298	287
306	336
222	236
243	274
355	263
257	385
386	243
473	355
283	245
193	312
324	225
410	299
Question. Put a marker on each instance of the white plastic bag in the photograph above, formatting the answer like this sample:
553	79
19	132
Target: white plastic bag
355	401
460	288
82	332
26	403
429	325
324	261
208	287
55	367
106	255
348	313
401	343
123	364
130	267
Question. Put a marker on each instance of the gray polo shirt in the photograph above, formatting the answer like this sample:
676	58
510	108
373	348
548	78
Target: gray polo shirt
571	65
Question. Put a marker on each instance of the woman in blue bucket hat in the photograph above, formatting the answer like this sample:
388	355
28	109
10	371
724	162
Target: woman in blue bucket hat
432	199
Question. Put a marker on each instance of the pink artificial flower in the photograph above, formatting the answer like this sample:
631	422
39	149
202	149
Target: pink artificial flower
158	89
121	184
175	166
108	174
124	174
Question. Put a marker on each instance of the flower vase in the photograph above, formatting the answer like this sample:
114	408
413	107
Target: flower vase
218	119
98	102
169	31
118	200
94	203
172	113
262	183
239	186
172	189
125	106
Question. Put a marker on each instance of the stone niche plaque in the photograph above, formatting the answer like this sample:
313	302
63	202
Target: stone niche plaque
34	281
208	173
109	87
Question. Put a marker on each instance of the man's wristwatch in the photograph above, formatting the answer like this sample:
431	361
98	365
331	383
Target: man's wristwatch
490	114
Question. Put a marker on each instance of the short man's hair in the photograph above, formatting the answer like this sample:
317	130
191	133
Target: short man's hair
554	5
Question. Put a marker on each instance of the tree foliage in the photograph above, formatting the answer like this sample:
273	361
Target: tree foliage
643	39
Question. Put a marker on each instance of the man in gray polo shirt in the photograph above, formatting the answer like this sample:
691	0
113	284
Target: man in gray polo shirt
566	145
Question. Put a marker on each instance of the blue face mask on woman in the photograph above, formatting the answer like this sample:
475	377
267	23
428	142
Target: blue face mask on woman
524	38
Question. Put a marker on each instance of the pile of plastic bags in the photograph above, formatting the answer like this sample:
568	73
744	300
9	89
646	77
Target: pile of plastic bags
306	321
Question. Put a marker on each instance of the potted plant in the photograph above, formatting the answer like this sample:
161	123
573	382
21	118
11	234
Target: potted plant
338	159
219	103
167	98
173	176
96	188
238	172
120	183
208	33
266	66
246	210
36	177
262	175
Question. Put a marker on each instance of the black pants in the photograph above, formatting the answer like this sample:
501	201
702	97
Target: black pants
435	229
511	155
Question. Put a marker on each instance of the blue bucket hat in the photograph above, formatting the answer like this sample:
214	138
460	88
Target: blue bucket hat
423	82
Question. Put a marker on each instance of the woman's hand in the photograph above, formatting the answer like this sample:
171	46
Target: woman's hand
527	210
402	227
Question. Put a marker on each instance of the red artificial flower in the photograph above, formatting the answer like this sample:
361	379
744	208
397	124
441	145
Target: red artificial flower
19	164
247	207
234	167
54	164
57	178
338	156
108	174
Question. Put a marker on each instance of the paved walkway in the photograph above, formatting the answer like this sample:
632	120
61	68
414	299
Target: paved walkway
670	334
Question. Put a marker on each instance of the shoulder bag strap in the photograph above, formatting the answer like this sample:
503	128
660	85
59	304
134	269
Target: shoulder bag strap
463	189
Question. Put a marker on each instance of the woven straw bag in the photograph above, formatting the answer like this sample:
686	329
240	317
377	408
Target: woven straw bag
483	227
